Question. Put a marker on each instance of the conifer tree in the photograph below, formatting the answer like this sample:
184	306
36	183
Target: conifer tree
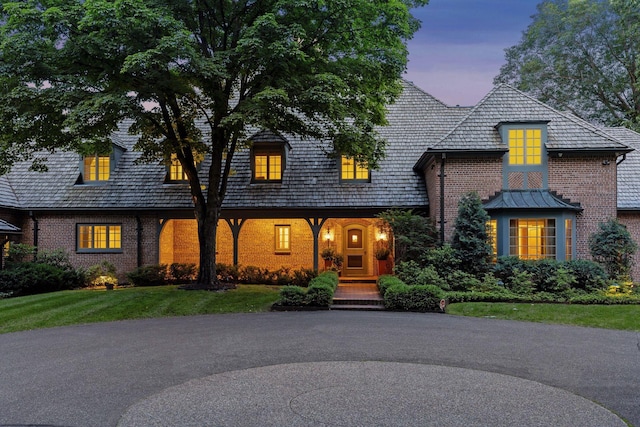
470	238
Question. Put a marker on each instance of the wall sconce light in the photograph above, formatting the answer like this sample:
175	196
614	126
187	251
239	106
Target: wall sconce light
382	236
328	236
606	163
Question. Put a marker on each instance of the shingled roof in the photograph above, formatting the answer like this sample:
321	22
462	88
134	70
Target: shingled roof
7	195
478	132
310	181
628	170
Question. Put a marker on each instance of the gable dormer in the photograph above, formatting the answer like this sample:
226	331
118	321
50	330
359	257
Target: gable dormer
268	157
97	168
525	163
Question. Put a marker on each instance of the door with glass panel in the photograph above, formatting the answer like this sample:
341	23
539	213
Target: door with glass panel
355	253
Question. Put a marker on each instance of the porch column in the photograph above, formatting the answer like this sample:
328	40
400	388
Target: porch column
316	225
235	224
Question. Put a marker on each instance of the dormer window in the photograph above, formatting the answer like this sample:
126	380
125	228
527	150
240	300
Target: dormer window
176	172
268	157
525	146
267	165
525	164
351	170
96	168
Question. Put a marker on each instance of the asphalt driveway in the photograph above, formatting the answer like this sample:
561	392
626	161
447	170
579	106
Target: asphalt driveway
131	372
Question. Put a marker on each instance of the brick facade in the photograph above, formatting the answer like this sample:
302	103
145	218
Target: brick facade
632	221
590	181
480	174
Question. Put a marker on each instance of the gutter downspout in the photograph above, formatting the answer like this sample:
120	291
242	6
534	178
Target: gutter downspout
35	234
139	240
624	157
442	176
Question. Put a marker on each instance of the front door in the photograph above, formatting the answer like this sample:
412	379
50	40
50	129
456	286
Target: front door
355	244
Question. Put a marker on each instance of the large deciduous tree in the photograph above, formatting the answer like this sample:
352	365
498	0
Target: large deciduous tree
582	56
194	75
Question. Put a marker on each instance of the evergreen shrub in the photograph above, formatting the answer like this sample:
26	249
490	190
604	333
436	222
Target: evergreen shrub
421	298
149	275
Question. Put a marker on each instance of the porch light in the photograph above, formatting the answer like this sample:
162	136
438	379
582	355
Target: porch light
382	236
328	236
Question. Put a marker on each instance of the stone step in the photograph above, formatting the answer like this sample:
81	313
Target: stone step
357	301
363	307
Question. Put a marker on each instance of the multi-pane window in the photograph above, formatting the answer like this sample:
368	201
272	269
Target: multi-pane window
96	168
525	146
99	238
492	233
176	172
283	238
267	166
568	239
353	171
532	238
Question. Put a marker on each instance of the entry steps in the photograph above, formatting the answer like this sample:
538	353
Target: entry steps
357	293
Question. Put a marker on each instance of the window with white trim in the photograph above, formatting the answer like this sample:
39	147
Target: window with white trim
283	238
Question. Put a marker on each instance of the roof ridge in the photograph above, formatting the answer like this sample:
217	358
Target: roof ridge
424	92
569	116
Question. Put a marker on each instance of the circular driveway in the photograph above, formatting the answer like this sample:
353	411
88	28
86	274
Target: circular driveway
320	368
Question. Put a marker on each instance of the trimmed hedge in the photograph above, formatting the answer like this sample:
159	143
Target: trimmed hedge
421	298
319	293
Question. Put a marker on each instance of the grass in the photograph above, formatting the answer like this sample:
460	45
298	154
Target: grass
622	317
90	306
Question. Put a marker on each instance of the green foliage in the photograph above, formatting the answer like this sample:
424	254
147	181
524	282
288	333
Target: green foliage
589	275
613	247
72	71
28	278
444	259
462	281
422	298
20	252
521	282
292	296
386	281
412	274
319	293
101	274
413	234
182	272
149	275
470	239
581	56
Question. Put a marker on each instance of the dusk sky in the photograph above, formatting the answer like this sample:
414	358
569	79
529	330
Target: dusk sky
460	47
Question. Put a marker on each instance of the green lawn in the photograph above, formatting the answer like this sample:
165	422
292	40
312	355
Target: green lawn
88	306
623	317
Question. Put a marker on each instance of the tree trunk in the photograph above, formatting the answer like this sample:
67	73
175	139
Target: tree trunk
207	218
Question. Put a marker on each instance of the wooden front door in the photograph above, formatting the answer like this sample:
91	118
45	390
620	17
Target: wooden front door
355	253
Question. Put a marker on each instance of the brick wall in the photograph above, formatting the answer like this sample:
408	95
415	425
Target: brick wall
256	243
59	232
483	175
591	183
632	221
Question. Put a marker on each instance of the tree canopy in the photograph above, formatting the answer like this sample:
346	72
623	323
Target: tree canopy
194	75
582	56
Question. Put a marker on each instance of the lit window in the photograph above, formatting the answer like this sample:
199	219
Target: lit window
283	238
568	233
176	173
99	238
267	166
96	168
353	171
492	233
532	238
525	147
